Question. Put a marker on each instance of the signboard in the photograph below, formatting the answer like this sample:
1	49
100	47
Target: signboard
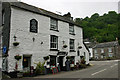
4	49
62	53
54	70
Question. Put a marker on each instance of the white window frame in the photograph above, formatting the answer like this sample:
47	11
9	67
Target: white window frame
72	45
109	49
110	55
95	51
53	24
102	50
71	29
53	42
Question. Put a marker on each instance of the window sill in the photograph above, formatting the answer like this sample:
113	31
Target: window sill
54	50
72	51
72	33
54	30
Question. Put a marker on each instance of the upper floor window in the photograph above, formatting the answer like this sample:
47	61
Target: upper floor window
95	51
53	42
72	45
102	50
53	24
109	50
33	26
71	29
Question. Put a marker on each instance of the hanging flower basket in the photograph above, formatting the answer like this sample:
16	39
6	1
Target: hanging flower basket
68	57
64	46
79	47
46	57
15	43
17	57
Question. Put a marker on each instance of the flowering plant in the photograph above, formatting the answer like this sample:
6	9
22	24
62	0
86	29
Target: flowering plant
17	57
15	43
65	46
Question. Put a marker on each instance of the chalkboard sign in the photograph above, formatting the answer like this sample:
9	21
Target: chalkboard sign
54	70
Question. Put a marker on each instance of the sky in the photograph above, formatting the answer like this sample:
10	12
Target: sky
77	8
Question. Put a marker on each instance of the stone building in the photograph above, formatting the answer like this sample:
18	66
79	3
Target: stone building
107	49
32	33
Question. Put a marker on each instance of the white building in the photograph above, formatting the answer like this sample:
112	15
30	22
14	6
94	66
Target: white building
40	33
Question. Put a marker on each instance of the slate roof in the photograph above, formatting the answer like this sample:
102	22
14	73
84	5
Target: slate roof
106	44
42	12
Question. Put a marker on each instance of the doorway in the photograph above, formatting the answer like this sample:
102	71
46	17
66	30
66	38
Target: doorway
26	62
52	60
60	61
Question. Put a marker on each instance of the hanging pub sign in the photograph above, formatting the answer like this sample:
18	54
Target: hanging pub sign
62	53
33	26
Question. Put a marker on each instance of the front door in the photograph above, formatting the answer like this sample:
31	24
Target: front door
26	62
60	61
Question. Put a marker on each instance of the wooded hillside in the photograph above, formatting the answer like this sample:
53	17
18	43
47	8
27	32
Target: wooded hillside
103	28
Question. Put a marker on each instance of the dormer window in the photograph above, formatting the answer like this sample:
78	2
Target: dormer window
53	24
33	26
71	29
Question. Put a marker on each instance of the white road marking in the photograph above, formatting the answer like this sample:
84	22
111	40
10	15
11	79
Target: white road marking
98	72
114	65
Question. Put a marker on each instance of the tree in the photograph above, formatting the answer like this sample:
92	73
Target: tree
101	28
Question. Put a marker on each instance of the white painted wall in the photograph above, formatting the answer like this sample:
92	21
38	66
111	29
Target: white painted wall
20	23
91	52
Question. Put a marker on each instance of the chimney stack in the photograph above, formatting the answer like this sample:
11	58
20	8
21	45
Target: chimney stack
68	16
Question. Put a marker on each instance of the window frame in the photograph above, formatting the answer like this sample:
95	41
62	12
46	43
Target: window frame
71	29
95	51
54	23
53	41
102	50
109	50
72	46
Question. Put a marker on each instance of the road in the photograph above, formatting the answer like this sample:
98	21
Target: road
99	69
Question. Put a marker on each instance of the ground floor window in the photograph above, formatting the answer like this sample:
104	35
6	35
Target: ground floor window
110	55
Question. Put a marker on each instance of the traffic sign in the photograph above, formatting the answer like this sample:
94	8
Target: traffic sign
4	49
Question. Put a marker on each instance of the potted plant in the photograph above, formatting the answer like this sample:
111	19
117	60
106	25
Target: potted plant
40	68
15	43
46	57
17	57
65	46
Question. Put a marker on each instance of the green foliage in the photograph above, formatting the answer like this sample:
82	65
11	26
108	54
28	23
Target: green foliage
83	66
83	60
40	68
103	28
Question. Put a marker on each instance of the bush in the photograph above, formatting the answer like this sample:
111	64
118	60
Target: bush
26	74
40	68
83	66
83	61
